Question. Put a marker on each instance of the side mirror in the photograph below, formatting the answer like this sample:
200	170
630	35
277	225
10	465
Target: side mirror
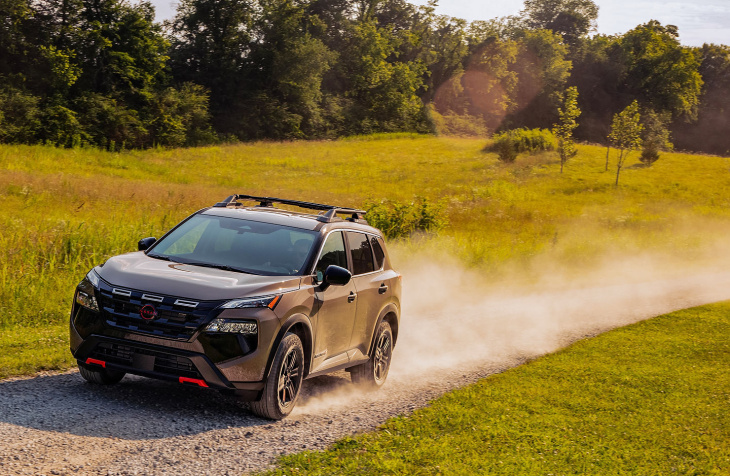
145	243
335	276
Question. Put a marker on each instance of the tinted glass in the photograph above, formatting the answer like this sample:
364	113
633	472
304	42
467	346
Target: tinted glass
248	246
378	252
362	256
333	252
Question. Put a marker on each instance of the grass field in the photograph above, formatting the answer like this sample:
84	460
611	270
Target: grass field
647	399
64	211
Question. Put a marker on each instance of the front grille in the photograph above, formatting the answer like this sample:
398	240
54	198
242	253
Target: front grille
176	317
145	359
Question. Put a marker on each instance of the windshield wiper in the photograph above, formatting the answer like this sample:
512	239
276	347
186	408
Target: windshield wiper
166	258
224	267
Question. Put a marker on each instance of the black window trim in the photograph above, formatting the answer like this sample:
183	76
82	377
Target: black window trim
347	252
372	254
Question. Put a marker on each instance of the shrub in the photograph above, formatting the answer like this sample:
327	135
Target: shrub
401	219
509	143
656	136
461	125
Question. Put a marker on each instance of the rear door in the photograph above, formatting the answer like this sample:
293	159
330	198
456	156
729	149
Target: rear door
370	285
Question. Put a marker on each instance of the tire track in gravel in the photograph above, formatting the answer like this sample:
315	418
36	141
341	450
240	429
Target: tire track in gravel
55	423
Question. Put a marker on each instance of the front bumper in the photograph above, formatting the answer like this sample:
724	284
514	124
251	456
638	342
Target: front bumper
194	362
160	363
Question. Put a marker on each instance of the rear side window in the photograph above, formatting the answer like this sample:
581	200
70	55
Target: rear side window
378	252
333	252
362	255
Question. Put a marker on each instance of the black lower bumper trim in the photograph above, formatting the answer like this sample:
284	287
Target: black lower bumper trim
151	361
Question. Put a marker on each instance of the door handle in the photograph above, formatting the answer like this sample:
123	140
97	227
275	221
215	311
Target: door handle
382	289
351	297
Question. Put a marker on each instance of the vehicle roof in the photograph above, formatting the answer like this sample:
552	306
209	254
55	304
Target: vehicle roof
277	216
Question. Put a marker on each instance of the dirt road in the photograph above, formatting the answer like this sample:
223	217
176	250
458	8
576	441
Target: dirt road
57	424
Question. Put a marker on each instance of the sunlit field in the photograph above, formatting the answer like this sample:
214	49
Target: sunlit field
646	399
64	211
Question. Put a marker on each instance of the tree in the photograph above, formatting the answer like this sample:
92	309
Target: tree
626	134
563	130
542	71
655	137
211	45
572	19
661	73
709	133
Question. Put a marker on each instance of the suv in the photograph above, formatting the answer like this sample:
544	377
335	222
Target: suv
248	300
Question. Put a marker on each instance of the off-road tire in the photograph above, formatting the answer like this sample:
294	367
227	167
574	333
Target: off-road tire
284	382
101	376
372	374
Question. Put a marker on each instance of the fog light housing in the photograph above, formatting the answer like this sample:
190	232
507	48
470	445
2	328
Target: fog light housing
233	326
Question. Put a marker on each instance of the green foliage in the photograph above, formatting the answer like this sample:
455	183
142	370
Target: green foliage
563	130
459	125
61	127
572	19
509	144
655	137
111	124
402	219
625	134
181	117
659	71
283	69
709	133
19	116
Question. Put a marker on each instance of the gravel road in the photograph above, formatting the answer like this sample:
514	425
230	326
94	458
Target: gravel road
55	423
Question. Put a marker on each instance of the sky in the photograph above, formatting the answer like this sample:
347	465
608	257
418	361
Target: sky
699	21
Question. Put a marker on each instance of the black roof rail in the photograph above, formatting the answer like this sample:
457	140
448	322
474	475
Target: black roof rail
330	214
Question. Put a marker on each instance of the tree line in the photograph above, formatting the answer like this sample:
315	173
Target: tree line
104	73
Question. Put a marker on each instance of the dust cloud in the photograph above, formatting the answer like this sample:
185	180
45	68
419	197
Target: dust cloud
455	319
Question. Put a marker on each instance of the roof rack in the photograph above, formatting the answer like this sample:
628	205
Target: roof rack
330	214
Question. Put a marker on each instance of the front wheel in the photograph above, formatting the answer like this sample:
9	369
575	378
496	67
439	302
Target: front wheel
101	376
372	374
281	389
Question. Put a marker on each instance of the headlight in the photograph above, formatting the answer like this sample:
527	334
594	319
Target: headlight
85	295
267	301
233	327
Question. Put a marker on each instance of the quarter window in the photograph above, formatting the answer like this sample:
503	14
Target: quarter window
362	255
378	252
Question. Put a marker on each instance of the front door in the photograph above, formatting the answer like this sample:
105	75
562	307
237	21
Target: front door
337	305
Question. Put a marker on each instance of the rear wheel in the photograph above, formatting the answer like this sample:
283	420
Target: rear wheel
372	374
281	389
101	376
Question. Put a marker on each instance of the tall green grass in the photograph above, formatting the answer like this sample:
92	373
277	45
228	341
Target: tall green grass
648	399
64	211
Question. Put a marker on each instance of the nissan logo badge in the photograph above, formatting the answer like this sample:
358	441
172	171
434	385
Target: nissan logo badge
148	312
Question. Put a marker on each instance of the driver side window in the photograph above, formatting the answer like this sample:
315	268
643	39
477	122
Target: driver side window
333	252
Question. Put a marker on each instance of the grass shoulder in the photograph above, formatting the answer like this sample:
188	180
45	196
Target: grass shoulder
650	398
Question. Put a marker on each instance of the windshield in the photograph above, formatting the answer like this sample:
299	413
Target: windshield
237	245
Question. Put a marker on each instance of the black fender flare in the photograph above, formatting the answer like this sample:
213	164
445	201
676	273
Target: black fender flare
288	324
390	308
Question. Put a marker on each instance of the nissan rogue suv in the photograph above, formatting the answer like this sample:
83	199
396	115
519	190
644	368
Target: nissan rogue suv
246	298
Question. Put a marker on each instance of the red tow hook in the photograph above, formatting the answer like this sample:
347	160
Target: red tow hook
194	381
96	362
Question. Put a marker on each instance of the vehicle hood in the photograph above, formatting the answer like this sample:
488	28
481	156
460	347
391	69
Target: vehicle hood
140	272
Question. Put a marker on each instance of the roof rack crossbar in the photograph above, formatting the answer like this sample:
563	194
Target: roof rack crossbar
268	202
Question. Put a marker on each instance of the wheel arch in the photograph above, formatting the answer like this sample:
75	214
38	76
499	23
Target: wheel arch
391	315
299	325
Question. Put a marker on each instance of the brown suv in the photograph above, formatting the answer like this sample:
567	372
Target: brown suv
245	299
